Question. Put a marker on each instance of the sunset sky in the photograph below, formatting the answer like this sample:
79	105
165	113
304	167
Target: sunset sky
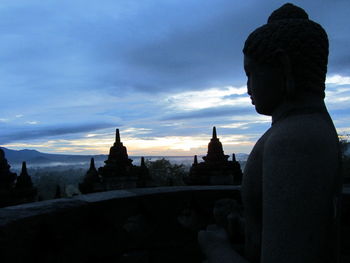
162	71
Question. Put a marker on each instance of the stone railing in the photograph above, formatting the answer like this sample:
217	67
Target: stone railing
134	225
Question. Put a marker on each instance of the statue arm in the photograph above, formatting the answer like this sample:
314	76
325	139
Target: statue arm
298	175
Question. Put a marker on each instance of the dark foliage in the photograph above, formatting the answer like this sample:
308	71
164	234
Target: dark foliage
164	173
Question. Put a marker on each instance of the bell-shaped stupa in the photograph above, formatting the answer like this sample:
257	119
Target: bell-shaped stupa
118	163
24	180
92	180
216	168
215	151
7	178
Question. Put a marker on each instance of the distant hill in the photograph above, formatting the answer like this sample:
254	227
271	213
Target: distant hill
33	157
36	157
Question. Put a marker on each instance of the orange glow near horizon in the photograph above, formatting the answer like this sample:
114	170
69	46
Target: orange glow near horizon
162	146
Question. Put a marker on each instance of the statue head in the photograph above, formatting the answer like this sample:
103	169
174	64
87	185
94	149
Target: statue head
285	59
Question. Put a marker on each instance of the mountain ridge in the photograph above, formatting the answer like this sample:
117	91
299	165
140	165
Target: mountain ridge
36	157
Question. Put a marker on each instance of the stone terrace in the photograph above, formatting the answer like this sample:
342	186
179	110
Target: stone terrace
135	225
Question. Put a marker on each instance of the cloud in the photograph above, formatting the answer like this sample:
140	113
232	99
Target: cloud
338	92
53	131
208	98
156	67
338	80
210	113
32	122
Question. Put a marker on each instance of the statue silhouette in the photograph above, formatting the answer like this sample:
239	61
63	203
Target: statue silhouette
291	181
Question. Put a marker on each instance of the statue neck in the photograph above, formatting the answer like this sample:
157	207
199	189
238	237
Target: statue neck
302	105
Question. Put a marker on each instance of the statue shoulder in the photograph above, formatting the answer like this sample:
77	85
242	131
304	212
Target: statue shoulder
304	145
304	133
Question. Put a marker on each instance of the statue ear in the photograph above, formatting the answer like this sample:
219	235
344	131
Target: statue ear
284	61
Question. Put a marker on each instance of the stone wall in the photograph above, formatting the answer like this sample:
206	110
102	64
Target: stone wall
136	225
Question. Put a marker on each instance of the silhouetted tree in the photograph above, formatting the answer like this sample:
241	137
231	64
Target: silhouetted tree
163	173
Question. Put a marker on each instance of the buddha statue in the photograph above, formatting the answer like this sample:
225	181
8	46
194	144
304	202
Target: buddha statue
291	182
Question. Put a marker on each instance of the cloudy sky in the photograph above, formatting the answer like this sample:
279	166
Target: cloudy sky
162	71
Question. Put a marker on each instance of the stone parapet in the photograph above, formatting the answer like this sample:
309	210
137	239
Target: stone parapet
133	225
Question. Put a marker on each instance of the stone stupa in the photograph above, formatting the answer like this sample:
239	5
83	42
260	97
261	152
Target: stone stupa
117	173
216	168
15	189
92	181
118	170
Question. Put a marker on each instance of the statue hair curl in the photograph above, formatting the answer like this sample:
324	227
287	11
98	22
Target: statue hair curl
304	41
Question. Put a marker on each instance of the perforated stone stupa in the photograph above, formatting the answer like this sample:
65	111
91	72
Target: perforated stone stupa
216	168
15	189
7	178
117	173
92	180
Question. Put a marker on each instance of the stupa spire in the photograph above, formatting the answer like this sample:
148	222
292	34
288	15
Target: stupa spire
195	161
91	180
233	157
214	133
92	164
117	136
24	180
24	171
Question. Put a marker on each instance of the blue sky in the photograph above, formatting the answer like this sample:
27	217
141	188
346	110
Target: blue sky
163	72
